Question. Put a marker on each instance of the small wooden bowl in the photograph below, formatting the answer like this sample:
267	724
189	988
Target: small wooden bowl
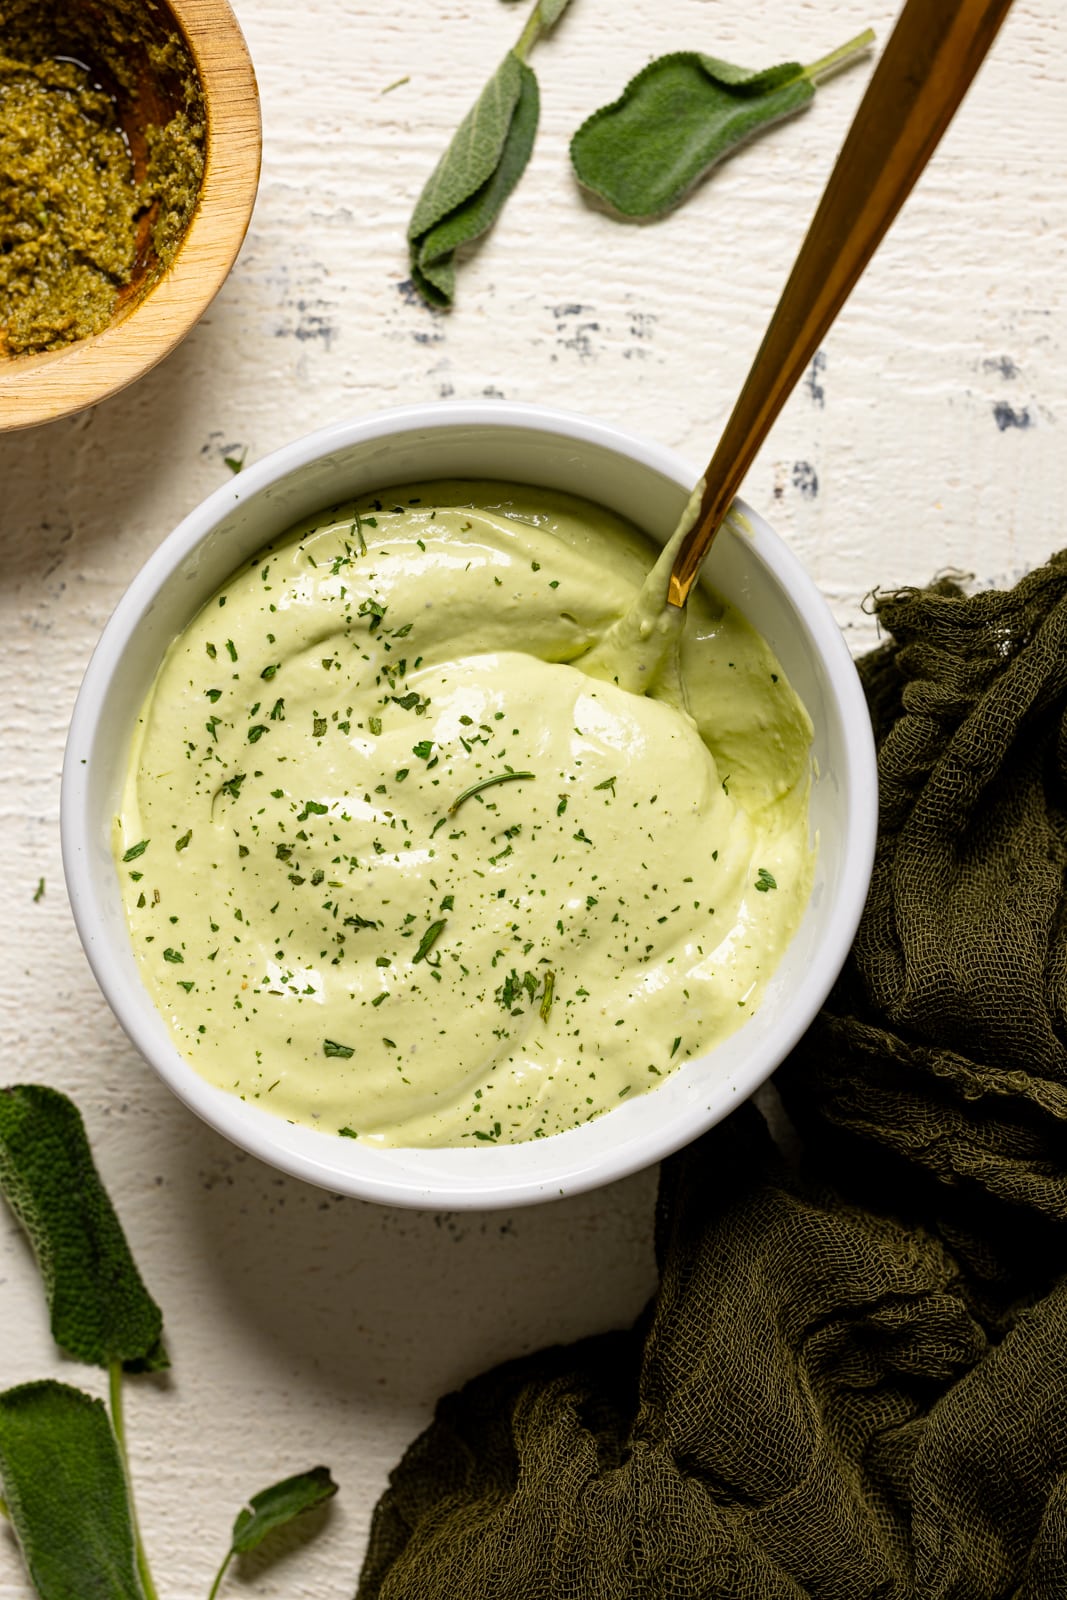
158	308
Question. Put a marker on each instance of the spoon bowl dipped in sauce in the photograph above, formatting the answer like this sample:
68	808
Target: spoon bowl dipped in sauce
556	454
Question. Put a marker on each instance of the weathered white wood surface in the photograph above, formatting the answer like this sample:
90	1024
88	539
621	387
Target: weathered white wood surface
305	1328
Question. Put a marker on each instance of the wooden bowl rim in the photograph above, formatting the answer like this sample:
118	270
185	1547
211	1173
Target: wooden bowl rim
55	383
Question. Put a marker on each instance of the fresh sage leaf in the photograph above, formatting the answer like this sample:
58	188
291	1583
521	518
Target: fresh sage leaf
680	115
274	1507
484	161
65	1489
474	177
100	1310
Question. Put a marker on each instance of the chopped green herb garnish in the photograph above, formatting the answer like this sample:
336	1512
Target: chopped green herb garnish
428	940
375	611
411	702
182	843
546	999
486	783
136	850
312	808
765	881
330	1047
173	955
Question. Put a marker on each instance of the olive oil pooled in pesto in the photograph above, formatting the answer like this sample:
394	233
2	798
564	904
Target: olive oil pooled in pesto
398	867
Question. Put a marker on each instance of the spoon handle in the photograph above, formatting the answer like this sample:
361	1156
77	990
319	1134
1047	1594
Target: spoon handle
933	53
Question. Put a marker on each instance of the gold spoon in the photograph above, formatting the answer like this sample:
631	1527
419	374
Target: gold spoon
933	53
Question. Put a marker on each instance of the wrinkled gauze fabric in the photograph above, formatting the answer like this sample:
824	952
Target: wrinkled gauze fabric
852	1383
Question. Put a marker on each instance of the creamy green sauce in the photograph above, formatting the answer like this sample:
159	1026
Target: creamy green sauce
402	861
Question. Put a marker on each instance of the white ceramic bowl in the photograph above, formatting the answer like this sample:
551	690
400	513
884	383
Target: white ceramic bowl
525	444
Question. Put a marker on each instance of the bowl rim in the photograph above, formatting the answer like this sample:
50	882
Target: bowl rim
249	1127
55	383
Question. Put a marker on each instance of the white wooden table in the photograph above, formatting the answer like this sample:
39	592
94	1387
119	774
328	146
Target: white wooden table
930	435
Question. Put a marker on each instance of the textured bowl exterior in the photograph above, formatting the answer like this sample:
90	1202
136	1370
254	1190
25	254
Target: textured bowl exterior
527	444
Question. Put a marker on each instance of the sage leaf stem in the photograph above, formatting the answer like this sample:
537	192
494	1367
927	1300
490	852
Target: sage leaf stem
484	161
118	1425
840	58
543	16
682	114
221	1573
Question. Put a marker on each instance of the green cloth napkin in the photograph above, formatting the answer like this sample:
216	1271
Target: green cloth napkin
852	1383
